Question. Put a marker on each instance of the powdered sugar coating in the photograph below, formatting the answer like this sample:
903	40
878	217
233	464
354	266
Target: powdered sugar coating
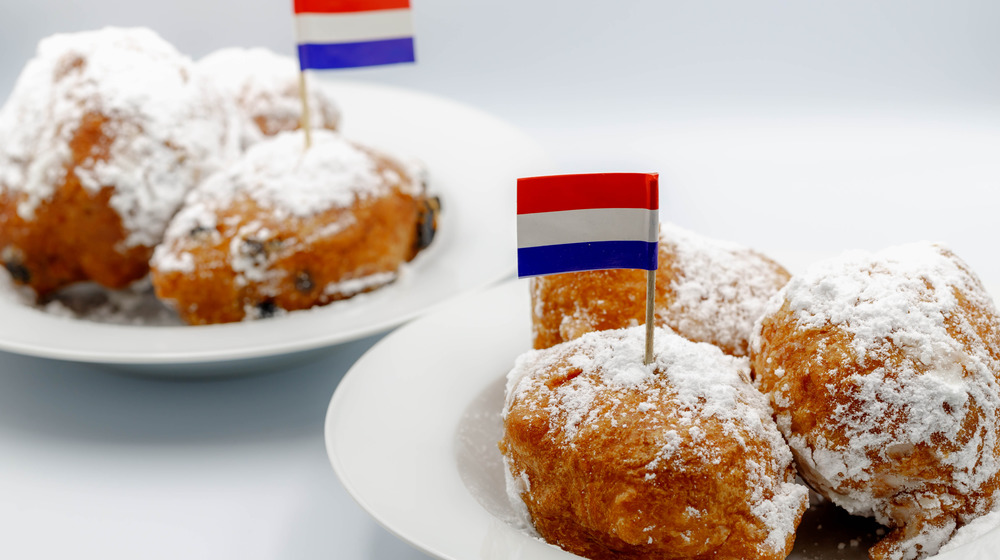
279	175
166	128
265	87
698	401
288	228
719	288
973	531
882	369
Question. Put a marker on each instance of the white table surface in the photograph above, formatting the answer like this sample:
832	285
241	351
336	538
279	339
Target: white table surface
878	127
96	463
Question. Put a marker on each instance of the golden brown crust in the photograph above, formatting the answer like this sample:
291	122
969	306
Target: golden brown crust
302	263
563	309
75	235
104	133
643	474
705	290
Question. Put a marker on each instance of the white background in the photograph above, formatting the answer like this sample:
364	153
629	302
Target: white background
799	128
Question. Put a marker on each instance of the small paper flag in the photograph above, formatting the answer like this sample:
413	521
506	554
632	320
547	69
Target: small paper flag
351	33
569	223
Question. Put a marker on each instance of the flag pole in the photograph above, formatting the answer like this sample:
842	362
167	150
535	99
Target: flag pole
306	125
650	293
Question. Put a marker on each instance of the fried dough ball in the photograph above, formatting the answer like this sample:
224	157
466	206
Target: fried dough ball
286	229
706	290
264	87
612	459
103	134
882	370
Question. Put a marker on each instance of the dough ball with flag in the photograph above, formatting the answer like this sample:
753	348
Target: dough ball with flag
706	290
612	459
285	229
263	88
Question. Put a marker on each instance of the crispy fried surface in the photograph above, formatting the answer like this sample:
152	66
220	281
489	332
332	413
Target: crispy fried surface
707	291
103	134
647	470
902	427
75	235
298	262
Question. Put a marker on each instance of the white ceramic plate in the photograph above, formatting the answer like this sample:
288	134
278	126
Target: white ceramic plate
473	160
412	431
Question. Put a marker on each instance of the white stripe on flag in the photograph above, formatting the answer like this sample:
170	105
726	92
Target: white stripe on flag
352	27
589	225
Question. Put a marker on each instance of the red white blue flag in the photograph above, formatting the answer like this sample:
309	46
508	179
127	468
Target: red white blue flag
567	223
352	33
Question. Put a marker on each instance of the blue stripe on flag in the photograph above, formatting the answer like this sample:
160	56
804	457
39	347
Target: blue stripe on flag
320	56
570	257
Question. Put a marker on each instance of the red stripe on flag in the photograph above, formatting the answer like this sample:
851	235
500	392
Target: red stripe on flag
557	193
340	6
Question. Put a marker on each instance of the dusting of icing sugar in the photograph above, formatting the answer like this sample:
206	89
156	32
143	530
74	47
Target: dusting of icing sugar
973	531
699	382
617	359
181	261
417	170
720	288
902	294
248	259
284	180
278	174
900	311
900	298
166	129
352	286
265	85
516	487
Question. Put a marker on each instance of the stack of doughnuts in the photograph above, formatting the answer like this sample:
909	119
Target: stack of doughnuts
881	372
103	135
610	458
108	134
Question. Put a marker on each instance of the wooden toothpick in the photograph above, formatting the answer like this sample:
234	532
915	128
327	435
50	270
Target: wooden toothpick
650	300
306	126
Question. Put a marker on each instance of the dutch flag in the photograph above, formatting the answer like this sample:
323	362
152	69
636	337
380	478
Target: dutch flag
352	33
568	223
